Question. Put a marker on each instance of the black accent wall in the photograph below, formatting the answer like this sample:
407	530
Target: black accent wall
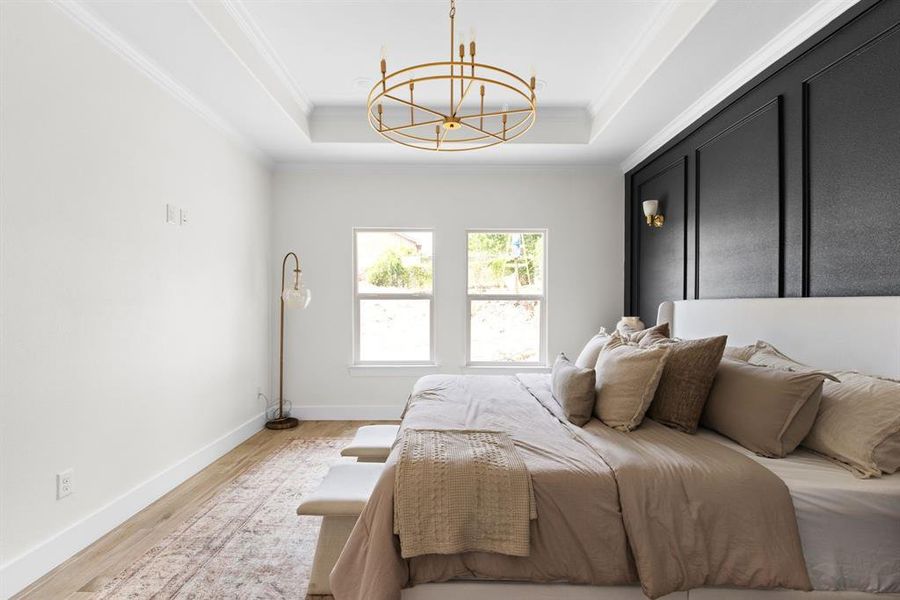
790	187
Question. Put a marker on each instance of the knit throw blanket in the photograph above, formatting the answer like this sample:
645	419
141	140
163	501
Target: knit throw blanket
461	491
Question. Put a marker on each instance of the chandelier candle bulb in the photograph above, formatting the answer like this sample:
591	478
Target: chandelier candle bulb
457	128
481	120
462	59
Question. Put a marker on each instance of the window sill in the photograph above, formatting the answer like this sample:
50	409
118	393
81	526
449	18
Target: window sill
399	370
503	369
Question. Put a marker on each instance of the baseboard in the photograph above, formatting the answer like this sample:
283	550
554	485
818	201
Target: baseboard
347	413
26	568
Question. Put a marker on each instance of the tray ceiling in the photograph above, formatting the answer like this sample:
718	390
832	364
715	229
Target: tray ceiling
290	78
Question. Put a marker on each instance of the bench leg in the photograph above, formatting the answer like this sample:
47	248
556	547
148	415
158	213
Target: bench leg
333	536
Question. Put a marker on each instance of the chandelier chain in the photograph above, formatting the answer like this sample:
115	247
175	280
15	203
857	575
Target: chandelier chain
452	8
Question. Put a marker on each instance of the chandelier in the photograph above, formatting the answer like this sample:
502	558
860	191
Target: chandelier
395	112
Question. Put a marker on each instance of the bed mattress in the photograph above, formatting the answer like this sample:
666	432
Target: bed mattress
849	527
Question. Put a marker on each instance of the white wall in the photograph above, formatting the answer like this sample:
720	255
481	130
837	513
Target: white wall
317	206
130	348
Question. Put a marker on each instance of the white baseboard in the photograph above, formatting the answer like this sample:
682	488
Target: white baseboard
348	413
21	571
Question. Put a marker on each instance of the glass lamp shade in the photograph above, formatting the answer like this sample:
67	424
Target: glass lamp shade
651	207
296	297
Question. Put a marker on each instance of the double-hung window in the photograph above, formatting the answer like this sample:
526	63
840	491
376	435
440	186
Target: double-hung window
507	306
393	276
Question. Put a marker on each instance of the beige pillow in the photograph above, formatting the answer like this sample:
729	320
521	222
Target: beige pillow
591	351
573	388
685	382
768	411
627	376
859	419
767	355
859	424
742	353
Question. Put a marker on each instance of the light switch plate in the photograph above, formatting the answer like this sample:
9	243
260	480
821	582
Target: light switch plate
171	214
184	216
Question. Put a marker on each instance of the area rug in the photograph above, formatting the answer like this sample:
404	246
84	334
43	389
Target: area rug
245	542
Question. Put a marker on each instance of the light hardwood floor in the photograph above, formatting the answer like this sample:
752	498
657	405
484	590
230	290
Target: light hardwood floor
86	572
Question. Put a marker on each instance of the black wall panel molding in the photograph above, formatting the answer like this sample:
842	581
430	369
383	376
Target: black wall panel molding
860	152
741	223
790	187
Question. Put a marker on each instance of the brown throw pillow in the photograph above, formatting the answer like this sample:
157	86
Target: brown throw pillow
686	382
573	388
591	351
767	411
627	376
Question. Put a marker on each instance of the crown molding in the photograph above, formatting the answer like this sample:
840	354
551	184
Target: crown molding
115	42
640	44
232	36
668	28
792	36
266	49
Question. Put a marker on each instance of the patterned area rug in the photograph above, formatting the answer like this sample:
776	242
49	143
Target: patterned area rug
245	542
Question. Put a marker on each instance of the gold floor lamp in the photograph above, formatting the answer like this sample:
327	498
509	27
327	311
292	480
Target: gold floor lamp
297	296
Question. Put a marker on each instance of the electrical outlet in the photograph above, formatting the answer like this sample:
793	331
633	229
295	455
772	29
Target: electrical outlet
171	214
64	483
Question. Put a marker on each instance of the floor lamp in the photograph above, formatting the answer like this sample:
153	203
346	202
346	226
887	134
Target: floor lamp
297	296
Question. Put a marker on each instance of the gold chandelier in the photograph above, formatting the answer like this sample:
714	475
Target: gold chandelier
463	124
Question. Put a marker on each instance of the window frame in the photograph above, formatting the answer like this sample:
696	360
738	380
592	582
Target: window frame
358	296
542	298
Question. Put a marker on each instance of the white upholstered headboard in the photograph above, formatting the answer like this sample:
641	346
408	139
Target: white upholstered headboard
855	333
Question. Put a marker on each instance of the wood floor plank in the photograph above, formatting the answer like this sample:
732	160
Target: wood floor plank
80	577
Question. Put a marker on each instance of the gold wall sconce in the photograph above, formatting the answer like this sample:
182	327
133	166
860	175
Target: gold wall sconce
651	212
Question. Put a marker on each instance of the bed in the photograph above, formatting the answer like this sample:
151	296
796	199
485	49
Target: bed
849	529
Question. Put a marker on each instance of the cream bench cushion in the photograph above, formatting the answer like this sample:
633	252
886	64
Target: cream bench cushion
372	443
344	491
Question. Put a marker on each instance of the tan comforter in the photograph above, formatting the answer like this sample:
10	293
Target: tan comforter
655	506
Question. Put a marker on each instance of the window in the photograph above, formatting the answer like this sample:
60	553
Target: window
393	305
506	297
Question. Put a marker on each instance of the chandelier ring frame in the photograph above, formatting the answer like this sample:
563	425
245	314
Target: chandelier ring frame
381	92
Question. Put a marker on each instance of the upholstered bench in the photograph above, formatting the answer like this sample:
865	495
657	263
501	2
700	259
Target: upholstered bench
372	443
339	500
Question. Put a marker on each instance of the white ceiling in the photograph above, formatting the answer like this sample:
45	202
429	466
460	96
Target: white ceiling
573	46
290	78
